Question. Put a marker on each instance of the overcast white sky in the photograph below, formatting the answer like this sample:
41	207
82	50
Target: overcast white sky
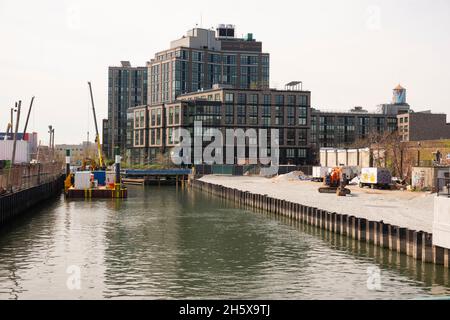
348	52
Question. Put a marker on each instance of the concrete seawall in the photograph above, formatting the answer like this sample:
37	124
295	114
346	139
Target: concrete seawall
417	244
15	204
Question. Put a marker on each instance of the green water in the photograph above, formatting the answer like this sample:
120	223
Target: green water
166	243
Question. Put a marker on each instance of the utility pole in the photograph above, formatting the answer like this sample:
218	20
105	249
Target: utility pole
50	131
28	118
53	140
13	157
50	137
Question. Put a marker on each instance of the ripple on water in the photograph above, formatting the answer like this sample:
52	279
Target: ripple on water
160	244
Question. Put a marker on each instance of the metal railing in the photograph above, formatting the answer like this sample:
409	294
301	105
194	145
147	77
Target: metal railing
19	177
443	187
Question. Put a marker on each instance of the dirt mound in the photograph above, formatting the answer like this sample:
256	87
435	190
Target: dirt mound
291	176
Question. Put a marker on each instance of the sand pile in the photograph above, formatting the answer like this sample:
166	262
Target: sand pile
291	176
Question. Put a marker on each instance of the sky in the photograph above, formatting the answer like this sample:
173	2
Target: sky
347	53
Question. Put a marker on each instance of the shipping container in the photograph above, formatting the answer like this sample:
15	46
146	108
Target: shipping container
318	173
110	178
100	176
22	151
83	180
375	177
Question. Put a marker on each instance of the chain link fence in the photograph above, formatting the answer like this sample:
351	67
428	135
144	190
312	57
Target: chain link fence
20	177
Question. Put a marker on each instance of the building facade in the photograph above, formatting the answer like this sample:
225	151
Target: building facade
78	152
224	108
418	126
203	58
127	87
343	129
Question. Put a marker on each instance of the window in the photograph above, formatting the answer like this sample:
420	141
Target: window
253	99
279	100
170	116
290	153
230	59
303	100
197	56
302	136
229	110
241	114
158	117
217	97
153	112
302	153
152	137
177	115
291	100
229	97
252	112
242	98
302	116
290	137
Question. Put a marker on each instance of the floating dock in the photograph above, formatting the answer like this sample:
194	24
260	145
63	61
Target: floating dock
136	182
165	176
98	193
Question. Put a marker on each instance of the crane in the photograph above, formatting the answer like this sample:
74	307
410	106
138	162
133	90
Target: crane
28	118
9	126
101	162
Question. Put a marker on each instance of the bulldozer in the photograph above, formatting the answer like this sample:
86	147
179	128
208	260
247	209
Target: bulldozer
335	182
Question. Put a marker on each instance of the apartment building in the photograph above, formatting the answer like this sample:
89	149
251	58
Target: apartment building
127	88
203	58
288	111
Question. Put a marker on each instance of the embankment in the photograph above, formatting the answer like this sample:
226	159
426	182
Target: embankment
17	203
398	238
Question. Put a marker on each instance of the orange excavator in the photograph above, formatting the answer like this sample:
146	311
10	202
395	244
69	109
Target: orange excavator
335	182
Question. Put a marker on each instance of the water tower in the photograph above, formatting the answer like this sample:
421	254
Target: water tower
399	96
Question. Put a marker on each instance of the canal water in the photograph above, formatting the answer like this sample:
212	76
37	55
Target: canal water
169	243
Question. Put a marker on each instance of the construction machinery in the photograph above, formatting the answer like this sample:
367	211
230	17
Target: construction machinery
335	182
10	125
101	162
89	164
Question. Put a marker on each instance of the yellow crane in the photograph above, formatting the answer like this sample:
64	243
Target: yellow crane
101	162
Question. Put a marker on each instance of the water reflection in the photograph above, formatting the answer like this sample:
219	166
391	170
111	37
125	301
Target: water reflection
167	242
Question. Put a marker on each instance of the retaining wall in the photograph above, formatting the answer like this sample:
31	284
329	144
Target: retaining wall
12	205
417	244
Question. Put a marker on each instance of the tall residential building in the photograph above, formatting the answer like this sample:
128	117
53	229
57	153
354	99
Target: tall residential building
127	88
204	58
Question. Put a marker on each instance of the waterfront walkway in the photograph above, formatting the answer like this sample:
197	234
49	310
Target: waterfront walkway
412	210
